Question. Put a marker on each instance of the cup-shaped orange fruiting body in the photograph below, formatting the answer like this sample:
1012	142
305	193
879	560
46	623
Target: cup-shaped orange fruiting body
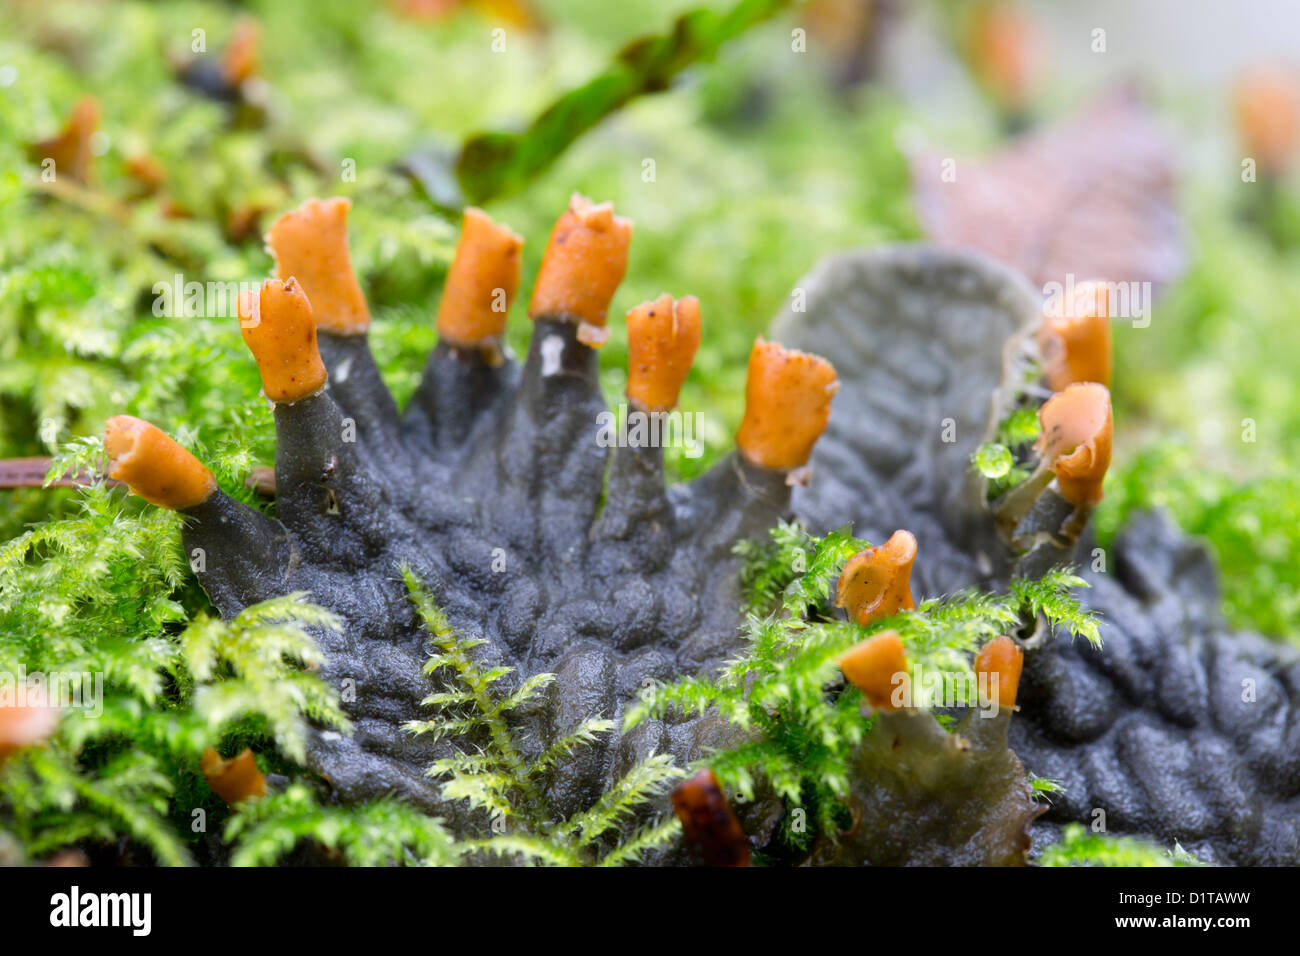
71	150
1266	104
154	466
1074	339
662	338
481	282
997	666
26	722
708	821
582	267
279	329
1076	439
878	668
310	244
876	583
1003	47
787	405
234	780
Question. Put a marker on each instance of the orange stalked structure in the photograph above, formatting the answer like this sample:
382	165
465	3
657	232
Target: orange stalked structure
787	405
876	583
708	822
27	724
1076	440
662	338
1075	340
1266	103
243	59
1000	658
481	283
878	668
310	244
1004	49
233	780
71	150
281	333
582	267
154	466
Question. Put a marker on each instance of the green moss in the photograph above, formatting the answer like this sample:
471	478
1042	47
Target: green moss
494	777
382	833
800	736
1078	847
104	595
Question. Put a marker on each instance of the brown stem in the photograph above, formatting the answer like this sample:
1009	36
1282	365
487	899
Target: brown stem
31	472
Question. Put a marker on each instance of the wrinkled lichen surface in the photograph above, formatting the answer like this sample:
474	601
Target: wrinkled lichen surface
489	490
493	489
1176	728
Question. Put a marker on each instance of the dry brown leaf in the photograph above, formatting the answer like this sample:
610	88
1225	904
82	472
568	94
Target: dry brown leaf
1092	196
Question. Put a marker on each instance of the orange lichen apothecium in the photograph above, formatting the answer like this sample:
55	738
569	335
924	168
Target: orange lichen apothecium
1266	102
154	466
1076	439
582	267
1004	47
876	583
787	405
1075	339
662	338
279	329
242	59
311	245
481	283
233	780
878	668
997	666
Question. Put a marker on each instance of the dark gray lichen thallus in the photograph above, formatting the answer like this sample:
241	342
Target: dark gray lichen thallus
1179	728
491	487
488	486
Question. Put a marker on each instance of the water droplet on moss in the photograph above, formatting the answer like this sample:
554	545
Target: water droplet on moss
992	460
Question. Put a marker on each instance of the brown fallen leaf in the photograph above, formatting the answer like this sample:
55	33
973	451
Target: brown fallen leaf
1091	197
70	150
262	480
708	822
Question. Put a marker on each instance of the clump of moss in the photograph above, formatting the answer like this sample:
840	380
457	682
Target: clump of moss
1078	847
785	691
1252	523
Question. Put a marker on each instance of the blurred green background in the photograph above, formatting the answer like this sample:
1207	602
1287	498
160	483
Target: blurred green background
764	160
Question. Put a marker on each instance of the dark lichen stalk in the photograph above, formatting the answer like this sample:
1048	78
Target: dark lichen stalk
1041	505
1043	517
487	491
